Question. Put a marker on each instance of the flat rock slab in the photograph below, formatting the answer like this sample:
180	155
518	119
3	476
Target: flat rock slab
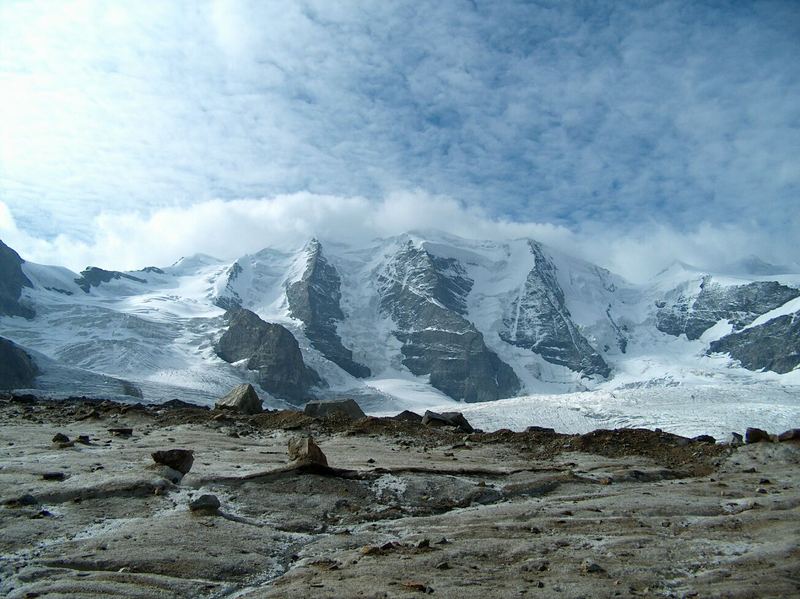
406	511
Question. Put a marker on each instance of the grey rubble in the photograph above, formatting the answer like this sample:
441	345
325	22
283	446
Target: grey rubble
401	509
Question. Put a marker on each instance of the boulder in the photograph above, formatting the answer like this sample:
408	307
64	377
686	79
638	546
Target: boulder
339	407
735	439
177	459
303	450
408	416
792	434
205	503
179	404
704	439
17	368
455	419
756	435
242	398
540	429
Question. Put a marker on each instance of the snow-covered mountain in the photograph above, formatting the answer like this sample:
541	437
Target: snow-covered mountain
423	317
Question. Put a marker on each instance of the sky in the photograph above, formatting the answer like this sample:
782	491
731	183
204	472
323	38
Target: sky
629	133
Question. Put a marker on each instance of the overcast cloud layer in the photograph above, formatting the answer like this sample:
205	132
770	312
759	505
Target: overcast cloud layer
630	132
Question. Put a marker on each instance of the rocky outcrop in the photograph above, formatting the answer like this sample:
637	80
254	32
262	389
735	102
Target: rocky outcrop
12	281
425	296
272	350
692	314
94	277
242	398
539	320
17	368
315	300
230	299
774	345
339	407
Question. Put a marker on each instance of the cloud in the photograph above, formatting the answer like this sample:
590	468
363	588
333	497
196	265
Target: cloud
230	229
632	121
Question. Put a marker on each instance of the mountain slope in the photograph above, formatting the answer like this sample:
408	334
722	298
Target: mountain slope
421	315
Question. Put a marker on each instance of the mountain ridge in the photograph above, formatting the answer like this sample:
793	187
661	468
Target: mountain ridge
476	319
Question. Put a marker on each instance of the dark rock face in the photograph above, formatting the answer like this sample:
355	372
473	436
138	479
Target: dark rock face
17	368
12	280
740	304
272	350
540	321
314	300
343	407
774	345
94	277
425	296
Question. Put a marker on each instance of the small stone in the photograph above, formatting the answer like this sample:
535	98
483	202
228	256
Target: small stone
592	568
121	432
423	544
442	566
84	440
761	491
54	476
60	438
443	541
756	435
303	450
205	503
26	499
177	459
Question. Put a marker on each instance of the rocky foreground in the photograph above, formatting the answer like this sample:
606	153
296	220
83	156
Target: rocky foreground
400	510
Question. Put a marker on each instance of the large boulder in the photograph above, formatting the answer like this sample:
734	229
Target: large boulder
339	407
407	416
756	435
793	434
303	451
17	368
454	419
177	459
242	398
272	350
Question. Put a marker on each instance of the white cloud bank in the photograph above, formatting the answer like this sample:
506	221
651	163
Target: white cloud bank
230	229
